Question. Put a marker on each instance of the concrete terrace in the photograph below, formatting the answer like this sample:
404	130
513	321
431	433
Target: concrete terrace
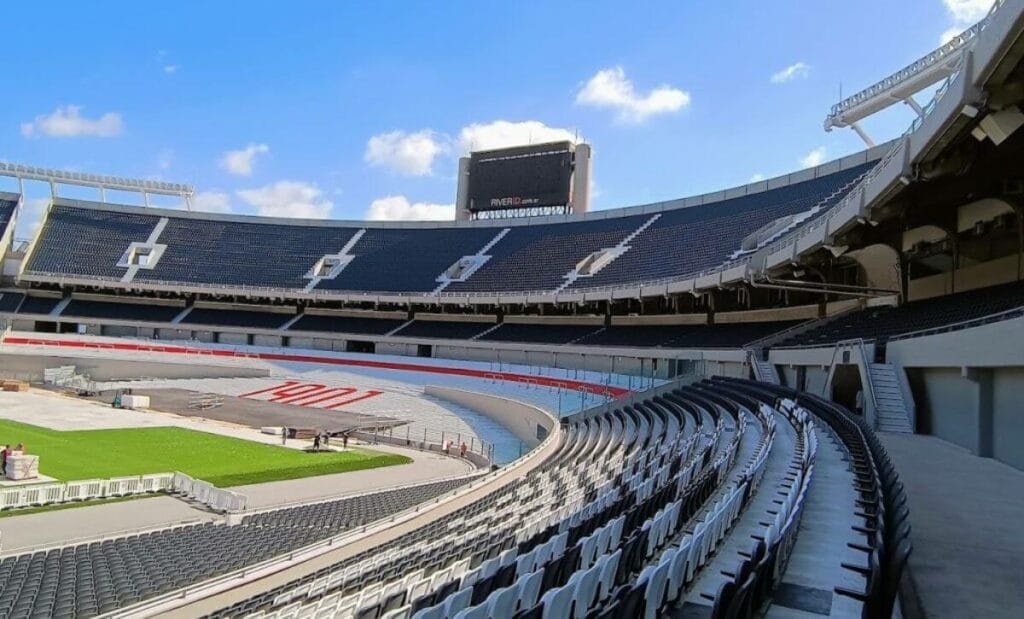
968	519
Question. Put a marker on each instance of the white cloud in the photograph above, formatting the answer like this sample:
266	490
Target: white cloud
67	122
610	88
758	177
212	202
502	133
814	158
967	11
398	208
171	69
796	71
407	153
240	161
948	35
288	199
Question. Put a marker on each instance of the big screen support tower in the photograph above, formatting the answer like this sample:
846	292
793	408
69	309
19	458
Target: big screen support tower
552	178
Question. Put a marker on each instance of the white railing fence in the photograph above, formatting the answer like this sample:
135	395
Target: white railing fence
37	495
204	492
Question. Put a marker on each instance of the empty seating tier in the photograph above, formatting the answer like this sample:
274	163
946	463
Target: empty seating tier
443	329
87	240
38	305
121	311
10	301
405	260
94	578
882	323
346	324
87	243
687	240
683	503
730	335
8	204
236	318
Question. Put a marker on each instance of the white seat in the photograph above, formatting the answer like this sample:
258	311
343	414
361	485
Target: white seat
507	558
609	569
525	564
558	602
603	539
655	593
489	568
587	551
558	544
586	590
616	536
457	601
543	554
474	612
529	589
418	589
348	608
501	604
470	577
398	613
677	573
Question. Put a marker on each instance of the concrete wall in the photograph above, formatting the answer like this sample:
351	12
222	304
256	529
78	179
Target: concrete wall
947	402
1008	416
119	331
266	340
977	408
998	271
528	423
30	367
234	338
999	344
385	348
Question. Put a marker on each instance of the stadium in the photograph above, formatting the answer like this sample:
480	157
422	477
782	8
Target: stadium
797	397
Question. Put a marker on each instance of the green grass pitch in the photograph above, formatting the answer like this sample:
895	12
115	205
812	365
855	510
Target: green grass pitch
220	460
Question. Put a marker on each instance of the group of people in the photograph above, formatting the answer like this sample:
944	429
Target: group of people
462	448
320	439
324	439
8	451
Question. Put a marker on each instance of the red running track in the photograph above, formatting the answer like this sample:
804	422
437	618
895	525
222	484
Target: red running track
546	381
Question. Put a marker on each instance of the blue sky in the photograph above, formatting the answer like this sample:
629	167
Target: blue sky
355	110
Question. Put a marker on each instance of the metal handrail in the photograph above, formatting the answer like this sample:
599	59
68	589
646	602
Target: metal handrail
859	342
953	46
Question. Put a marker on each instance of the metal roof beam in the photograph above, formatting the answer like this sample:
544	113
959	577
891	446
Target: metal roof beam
103	183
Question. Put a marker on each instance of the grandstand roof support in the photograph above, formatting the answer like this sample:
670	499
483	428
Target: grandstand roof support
928	70
863	134
55	178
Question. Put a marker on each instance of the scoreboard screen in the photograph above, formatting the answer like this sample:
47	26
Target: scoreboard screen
523	177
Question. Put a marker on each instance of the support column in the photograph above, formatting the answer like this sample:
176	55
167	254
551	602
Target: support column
983	379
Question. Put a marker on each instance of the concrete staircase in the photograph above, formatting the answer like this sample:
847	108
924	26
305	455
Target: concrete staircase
765	372
891	408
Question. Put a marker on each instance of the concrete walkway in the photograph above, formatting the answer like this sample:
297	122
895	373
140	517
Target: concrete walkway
424	467
21	533
814	566
967	515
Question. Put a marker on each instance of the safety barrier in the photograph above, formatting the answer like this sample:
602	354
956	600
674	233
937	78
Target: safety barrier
37	495
206	493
